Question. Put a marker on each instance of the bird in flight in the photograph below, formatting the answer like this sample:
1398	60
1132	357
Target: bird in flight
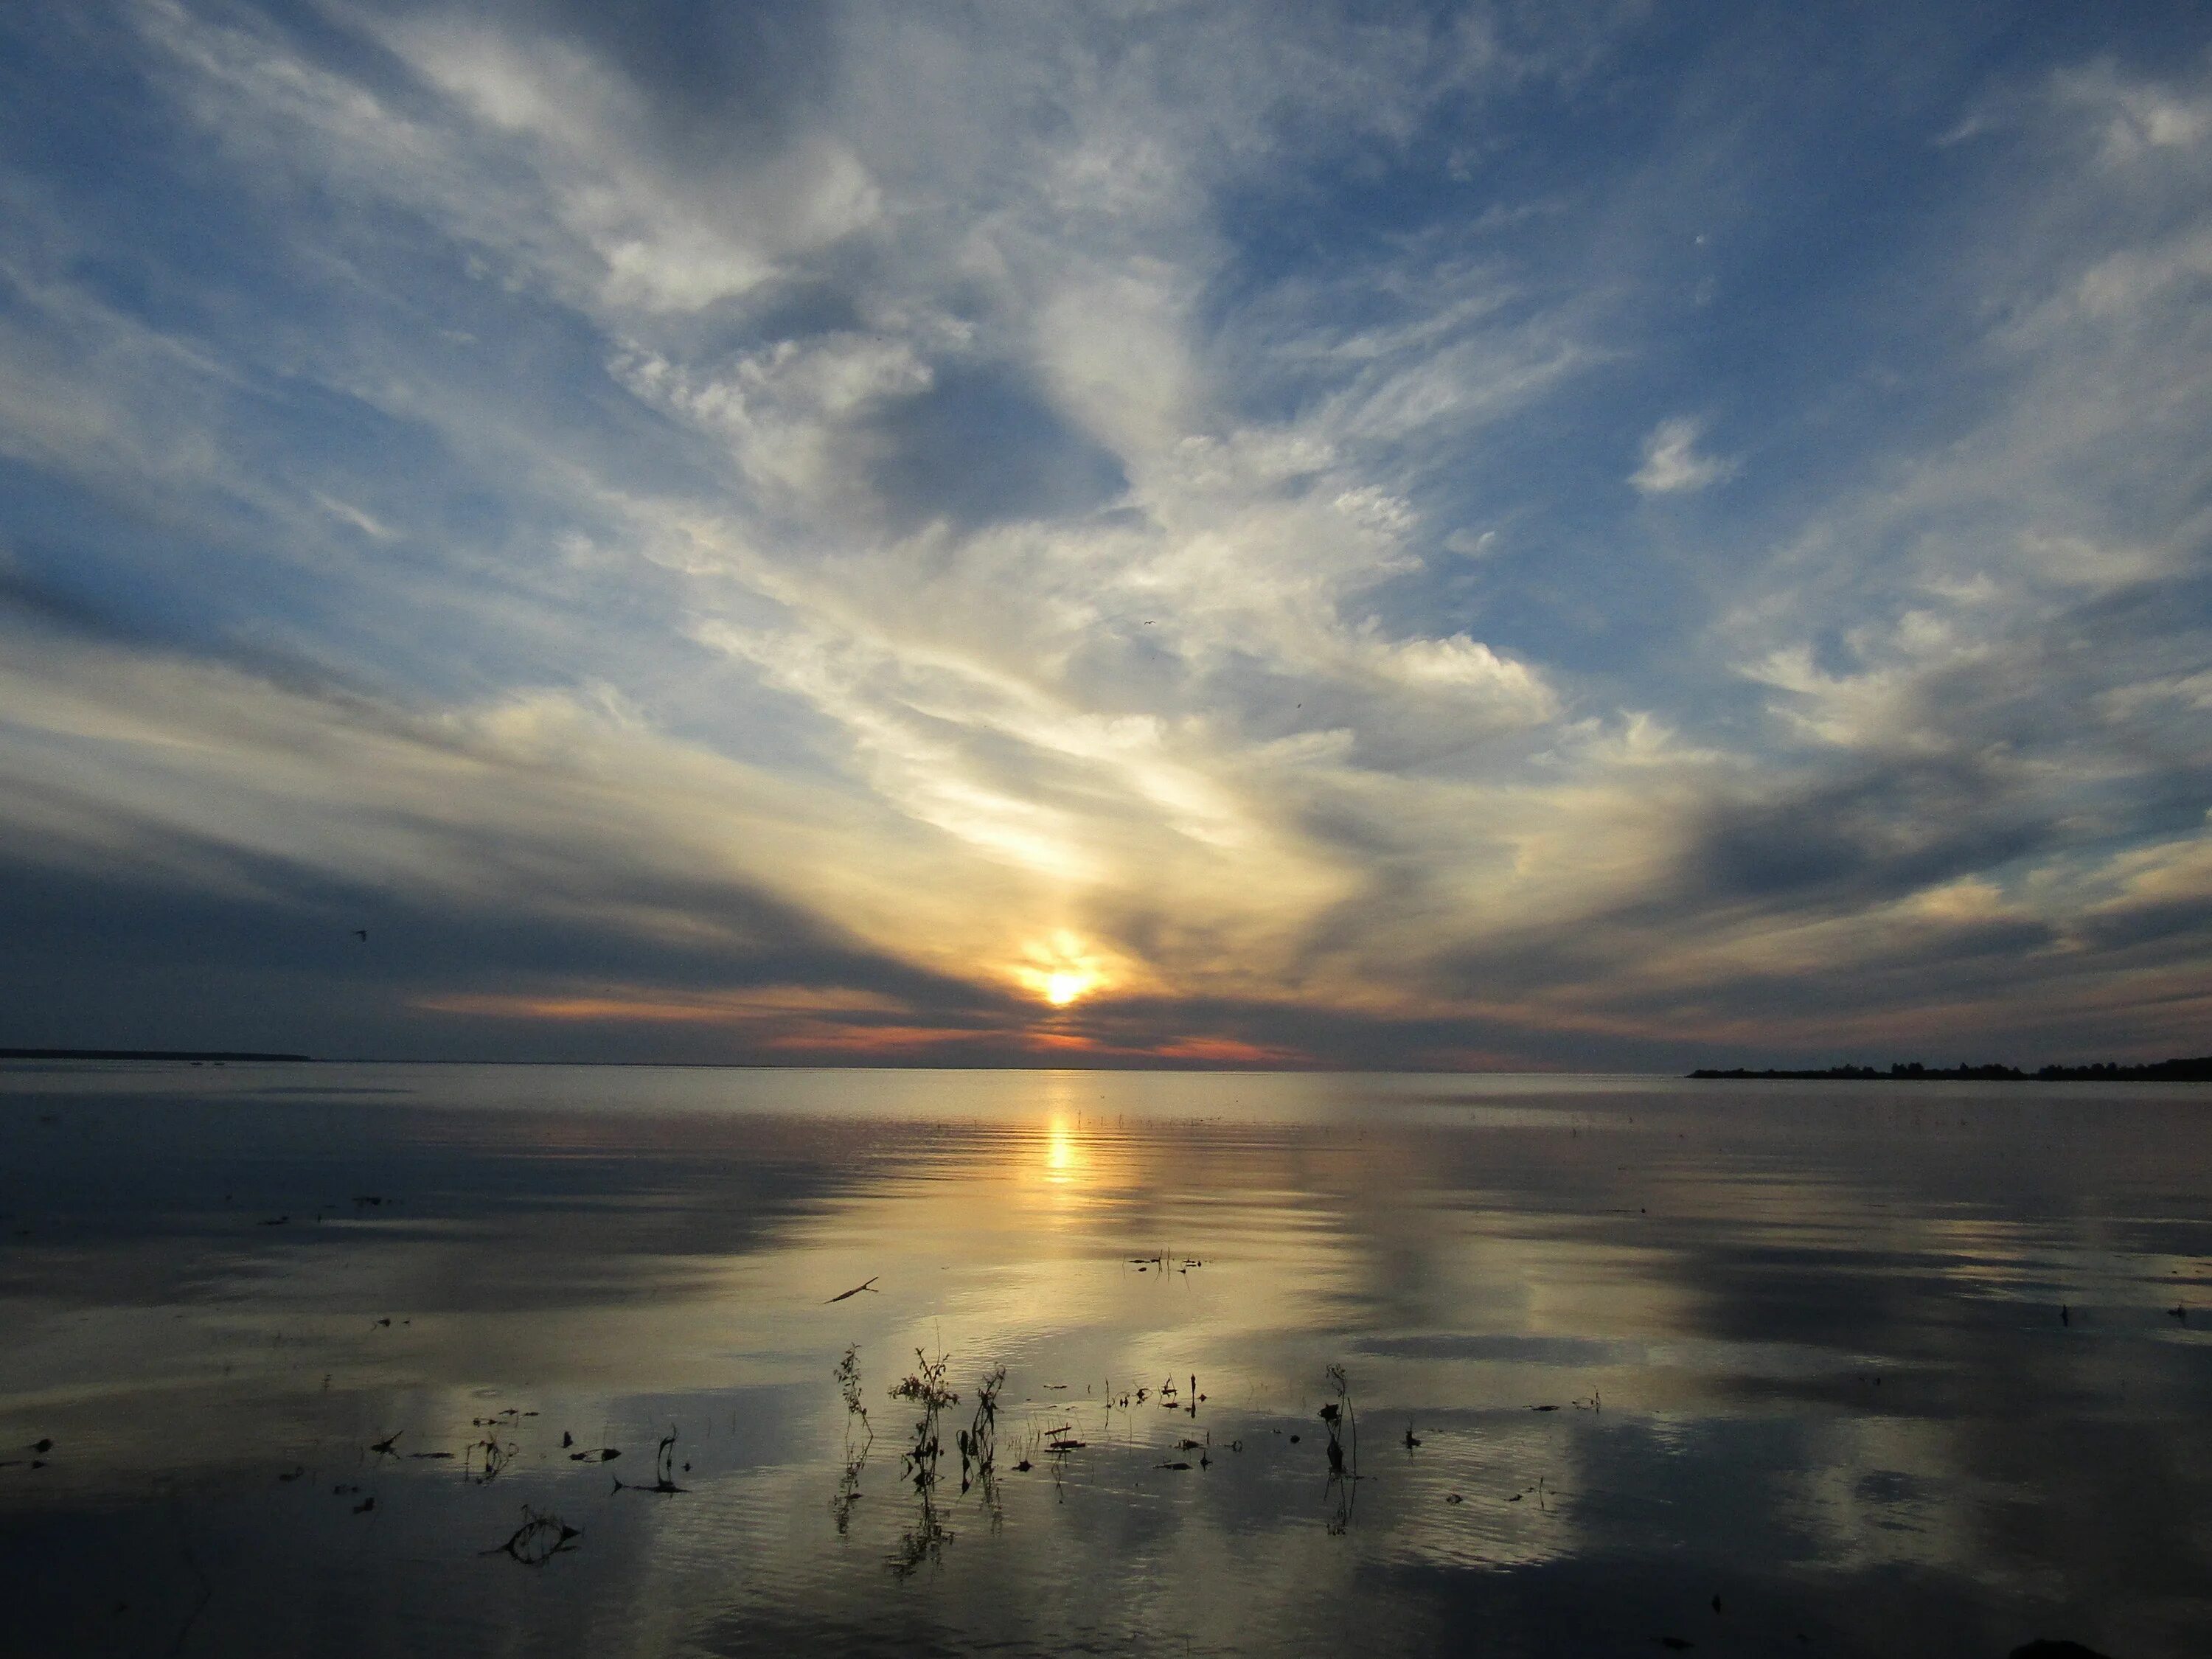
361	933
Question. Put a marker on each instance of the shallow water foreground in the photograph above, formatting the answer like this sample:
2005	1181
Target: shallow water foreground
292	1353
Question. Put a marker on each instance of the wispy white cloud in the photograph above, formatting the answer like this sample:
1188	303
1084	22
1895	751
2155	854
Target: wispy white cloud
1672	465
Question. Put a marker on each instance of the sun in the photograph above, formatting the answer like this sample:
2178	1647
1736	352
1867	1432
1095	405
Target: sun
1061	970
1065	984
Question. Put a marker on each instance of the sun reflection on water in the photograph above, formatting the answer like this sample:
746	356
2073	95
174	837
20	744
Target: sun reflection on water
1063	1157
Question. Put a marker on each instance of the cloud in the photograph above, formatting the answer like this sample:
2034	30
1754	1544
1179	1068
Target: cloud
806	524
1672	466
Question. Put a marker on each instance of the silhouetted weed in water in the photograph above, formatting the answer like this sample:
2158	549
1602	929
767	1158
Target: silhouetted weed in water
860	1436
1341	1420
977	1444
485	1461
539	1539
924	1386
979	1441
664	1469
1338	1416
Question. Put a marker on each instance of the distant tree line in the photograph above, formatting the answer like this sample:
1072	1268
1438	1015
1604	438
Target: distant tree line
2163	1071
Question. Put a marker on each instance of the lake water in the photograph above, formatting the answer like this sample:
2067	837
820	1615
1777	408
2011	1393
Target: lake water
1748	1367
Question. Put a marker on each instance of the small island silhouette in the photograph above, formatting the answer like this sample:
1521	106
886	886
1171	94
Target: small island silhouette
2162	1071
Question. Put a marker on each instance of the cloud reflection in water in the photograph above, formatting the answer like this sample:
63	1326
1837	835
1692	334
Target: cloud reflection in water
1801	1347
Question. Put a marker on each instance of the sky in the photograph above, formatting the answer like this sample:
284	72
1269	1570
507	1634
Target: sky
1587	536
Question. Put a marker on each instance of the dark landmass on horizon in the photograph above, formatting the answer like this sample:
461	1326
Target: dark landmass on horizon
2161	1070
141	1054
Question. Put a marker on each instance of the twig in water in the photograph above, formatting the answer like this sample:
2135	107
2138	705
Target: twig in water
855	1290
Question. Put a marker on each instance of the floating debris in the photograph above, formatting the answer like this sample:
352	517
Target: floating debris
855	1290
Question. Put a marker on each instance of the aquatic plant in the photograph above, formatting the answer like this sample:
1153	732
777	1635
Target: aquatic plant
860	1436
979	1441
539	1539
925	1387
1338	1417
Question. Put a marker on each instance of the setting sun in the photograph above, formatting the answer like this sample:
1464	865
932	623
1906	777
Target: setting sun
1063	987
1061	969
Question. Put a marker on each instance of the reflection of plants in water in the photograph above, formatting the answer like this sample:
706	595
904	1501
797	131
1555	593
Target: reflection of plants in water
539	1539
856	1415
1338	1416
925	1387
979	1441
1339	1419
664	1469
859	1436
485	1460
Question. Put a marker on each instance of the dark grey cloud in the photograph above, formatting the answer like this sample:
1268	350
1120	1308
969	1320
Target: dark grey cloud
982	446
1878	833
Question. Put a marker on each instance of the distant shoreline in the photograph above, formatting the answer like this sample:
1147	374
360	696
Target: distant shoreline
141	1054
2162	1071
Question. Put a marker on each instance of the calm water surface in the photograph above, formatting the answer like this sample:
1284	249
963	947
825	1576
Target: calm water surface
1758	1367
